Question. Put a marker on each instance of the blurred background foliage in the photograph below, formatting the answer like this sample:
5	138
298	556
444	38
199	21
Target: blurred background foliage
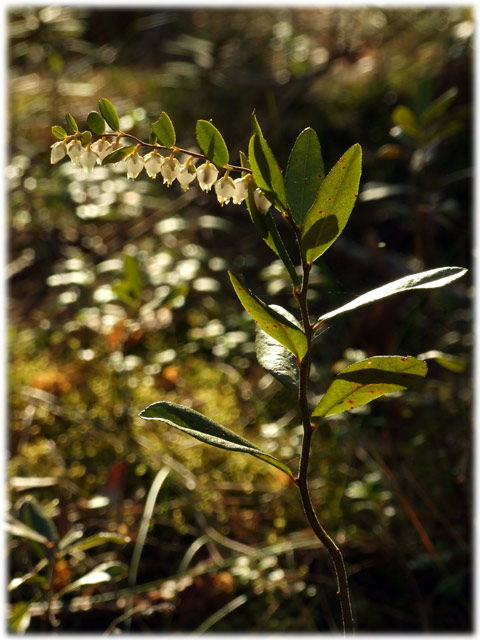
226	546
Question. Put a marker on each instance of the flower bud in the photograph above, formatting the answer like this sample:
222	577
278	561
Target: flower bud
153	163
88	160
224	188
75	150
102	148
263	204
241	189
187	174
58	152
170	169
134	164
207	175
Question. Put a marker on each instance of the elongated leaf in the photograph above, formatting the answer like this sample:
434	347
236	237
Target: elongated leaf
109	113
362	382
118	155
20	617
439	106
59	132
304	175
275	325
17	528
446	360
164	130
132	274
266	227
31	513
329	214
212	143
274	357
256	126
98	539
425	280
96	123
70	120
266	172
205	430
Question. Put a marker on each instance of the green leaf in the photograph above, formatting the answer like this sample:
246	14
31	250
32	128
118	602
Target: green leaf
255	125
205	430
86	138
274	357
440	106
32	515
133	276
424	280
20	617
59	132
363	381
118	155
329	214
164	130
266	172
70	120
96	123
17	528
445	360
404	118
266	227
97	540
304	175
275	325
109	113
212	143
96	576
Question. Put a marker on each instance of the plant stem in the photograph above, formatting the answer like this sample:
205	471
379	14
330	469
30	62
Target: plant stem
301	480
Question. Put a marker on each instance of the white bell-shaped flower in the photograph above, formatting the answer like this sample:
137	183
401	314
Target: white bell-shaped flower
75	150
170	169
207	175
102	148
59	151
153	163
88	160
187	175
134	164
241	189
224	188
263	204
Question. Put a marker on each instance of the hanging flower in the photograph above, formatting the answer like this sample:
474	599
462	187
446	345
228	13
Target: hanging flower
75	150
102	148
241	189
59	151
153	163
187	175
134	164
263	204
170	169
207	175
224	188
88	159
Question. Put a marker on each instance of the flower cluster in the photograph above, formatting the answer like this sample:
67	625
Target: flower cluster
226	188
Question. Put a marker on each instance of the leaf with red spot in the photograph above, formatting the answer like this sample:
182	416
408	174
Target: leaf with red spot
327	217
278	327
363	381
304	175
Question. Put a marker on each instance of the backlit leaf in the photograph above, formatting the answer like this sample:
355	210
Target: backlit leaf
59	132
404	118
212	143
70	120
256	126
266	172
363	381
97	540
424	280
109	113
164	130
439	106
96	123
274	357
118	155
304	175
329	214
205	430
274	324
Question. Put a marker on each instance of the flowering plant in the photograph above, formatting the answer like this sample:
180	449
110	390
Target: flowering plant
317	208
